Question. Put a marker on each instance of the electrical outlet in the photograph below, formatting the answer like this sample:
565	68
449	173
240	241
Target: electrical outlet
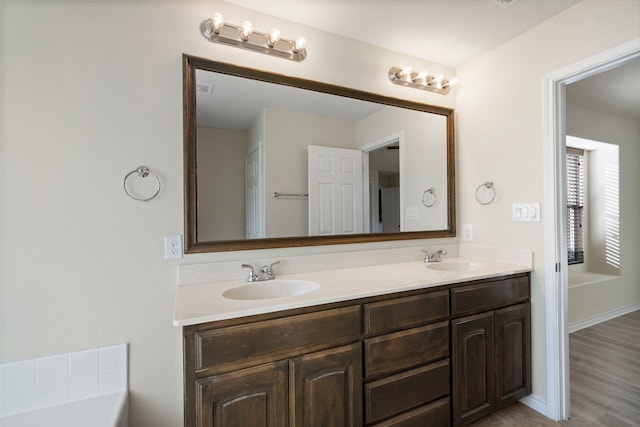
173	247
467	232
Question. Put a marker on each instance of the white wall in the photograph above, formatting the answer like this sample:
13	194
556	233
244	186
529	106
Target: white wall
500	132
593	300
91	90
423	152
604	192
221	183
288	134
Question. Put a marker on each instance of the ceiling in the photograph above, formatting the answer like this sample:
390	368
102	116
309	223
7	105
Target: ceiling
616	91
451	32
448	32
231	102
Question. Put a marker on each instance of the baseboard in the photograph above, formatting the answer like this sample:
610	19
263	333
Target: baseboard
602	317
536	403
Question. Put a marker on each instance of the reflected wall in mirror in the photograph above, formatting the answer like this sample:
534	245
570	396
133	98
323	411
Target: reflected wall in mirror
277	161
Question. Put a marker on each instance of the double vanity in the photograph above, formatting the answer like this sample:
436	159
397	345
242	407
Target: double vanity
375	340
402	344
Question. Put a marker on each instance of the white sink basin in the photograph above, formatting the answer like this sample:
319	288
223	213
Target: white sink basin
270	289
459	266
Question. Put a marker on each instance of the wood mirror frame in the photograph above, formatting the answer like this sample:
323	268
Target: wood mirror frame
193	245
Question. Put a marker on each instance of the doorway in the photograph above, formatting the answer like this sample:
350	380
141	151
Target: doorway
382	166
556	279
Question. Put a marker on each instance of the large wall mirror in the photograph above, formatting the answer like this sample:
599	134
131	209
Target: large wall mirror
277	161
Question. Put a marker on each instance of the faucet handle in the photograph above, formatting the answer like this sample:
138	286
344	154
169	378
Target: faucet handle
268	270
252	274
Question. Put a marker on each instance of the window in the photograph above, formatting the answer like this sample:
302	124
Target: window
575	205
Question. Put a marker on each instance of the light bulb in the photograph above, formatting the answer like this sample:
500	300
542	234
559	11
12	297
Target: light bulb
437	80
452	82
218	22
247	29
404	73
421	77
299	44
274	36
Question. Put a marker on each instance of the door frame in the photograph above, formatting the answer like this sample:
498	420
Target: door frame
556	282
374	145
261	208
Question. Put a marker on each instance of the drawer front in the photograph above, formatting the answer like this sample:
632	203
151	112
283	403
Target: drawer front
435	414
403	350
398	393
407	312
489	295
279	337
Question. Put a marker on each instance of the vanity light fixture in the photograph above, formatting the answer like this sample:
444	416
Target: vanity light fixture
216	30
421	80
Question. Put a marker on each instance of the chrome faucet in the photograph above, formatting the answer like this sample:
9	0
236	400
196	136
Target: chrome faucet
434	256
265	273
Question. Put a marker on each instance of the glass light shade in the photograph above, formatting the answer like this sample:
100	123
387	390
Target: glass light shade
218	21
247	29
299	44
274	36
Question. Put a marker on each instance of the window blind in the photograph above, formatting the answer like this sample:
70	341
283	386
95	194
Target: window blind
575	205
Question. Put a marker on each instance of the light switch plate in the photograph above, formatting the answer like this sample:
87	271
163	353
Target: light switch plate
412	214
525	212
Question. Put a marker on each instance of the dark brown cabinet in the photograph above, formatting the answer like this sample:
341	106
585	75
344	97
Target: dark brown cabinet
249	397
434	357
491	350
512	329
295	370
326	388
323	389
472	342
407	361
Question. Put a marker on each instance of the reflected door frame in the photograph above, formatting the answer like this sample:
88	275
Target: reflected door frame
254	191
374	145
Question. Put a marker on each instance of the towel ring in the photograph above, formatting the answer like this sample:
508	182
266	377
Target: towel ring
489	186
142	172
431	191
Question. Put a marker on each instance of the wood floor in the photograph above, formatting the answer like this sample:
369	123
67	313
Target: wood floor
605	380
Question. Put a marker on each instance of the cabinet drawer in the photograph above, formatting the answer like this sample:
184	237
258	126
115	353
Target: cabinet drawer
435	414
489	295
407	312
406	349
398	393
278	337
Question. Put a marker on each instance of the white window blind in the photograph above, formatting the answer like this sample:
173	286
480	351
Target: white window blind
575	205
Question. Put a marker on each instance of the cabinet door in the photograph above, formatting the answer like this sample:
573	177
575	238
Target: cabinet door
326	388
512	354
472	365
253	397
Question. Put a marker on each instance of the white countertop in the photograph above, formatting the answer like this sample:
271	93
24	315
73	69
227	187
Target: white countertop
202	303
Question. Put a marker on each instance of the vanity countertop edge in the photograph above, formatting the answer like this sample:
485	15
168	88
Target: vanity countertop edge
202	303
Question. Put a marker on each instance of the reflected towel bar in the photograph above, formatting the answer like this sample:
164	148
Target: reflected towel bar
276	195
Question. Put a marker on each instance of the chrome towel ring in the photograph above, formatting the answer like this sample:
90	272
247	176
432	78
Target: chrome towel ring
431	199
142	172
489	186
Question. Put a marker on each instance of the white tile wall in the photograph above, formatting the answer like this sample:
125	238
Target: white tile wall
48	381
